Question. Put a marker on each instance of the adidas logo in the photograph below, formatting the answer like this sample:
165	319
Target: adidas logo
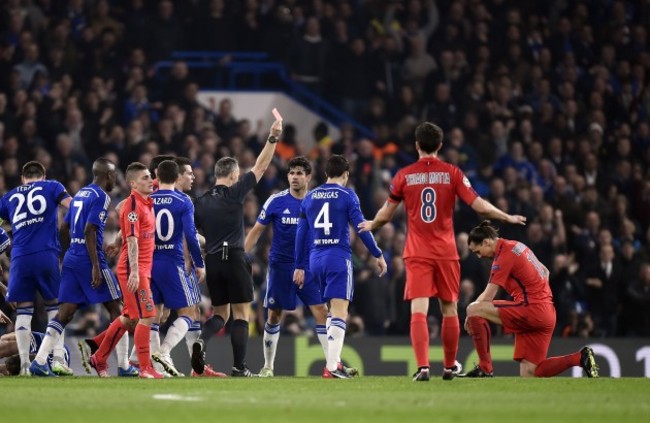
330	338
286	211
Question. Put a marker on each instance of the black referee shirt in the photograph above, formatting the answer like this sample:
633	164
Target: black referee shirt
219	214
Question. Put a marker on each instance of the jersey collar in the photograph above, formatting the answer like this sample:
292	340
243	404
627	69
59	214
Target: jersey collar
148	201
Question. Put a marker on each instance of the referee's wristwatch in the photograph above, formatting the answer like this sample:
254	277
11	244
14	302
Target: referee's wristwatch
272	139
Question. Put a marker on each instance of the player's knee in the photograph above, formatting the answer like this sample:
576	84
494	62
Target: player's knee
527	369
449	308
274	317
187	312
472	309
320	313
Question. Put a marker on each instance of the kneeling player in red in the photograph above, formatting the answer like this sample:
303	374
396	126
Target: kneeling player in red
530	316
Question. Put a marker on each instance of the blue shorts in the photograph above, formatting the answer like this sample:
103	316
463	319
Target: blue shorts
76	278
34	272
171	286
35	345
281	292
333	274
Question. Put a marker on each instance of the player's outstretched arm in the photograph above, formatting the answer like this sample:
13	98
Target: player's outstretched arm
487	210
266	155
253	236
383	216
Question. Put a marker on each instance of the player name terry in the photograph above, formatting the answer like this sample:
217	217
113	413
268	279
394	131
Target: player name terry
422	178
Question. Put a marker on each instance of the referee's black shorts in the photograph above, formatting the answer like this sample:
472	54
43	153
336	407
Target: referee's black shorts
229	281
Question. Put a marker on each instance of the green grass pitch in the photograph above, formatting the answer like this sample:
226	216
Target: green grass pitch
375	399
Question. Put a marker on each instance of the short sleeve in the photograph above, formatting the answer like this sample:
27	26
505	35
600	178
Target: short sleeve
98	211
396	190
266	214
60	193
243	186
130	220
500	271
463	187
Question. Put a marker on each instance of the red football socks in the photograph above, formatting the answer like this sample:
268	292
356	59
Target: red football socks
450	334
100	337
420	338
141	340
480	330
555	365
110	337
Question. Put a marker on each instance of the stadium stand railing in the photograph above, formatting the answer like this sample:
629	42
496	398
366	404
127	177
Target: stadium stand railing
252	71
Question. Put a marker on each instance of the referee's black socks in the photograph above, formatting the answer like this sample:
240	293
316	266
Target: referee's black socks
211	327
239	340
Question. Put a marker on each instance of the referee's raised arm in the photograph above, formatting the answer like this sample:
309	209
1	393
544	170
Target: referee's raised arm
266	155
219	214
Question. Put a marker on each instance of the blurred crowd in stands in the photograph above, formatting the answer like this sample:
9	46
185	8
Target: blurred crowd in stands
545	106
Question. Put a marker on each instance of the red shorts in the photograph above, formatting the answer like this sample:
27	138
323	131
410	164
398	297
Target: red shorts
138	304
533	326
427	278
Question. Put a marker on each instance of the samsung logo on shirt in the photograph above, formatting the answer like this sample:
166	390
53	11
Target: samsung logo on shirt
290	220
320	195
428	178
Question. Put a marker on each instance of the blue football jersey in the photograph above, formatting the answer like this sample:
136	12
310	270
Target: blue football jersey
89	205
32	210
5	242
327	213
283	210
174	220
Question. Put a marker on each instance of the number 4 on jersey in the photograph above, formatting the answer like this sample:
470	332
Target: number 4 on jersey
323	219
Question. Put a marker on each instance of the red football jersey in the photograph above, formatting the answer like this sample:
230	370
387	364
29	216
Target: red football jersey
429	188
137	219
516	269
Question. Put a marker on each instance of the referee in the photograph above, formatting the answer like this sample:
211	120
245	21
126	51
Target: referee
219	215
